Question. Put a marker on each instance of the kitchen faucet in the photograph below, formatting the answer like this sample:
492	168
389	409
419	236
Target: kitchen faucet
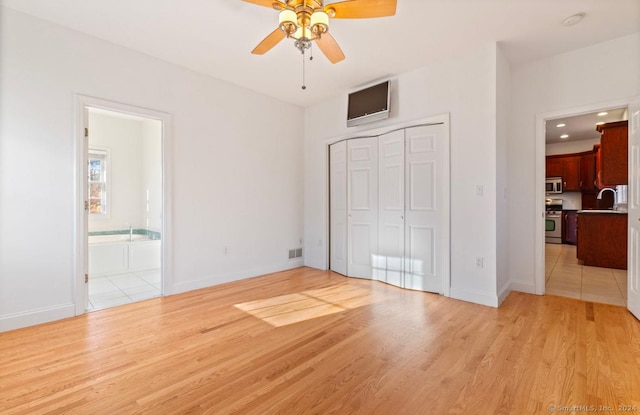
615	196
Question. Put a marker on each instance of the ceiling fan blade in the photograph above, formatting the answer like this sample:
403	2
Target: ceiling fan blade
330	48
268	42
265	3
361	9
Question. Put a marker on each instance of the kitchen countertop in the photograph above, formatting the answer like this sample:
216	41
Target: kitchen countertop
604	211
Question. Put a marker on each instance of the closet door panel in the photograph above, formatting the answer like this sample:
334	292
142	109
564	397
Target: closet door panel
338	206
389	263
362	218
420	257
426	161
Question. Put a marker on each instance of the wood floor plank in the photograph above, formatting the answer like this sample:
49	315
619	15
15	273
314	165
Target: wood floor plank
314	342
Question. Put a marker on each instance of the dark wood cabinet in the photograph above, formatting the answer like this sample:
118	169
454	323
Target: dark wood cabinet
570	227
554	166
567	166
571	174
588	173
599	184
614	148
602	239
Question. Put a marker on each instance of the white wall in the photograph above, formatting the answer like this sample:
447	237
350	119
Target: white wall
597	74
464	87
503	105
122	137
237	169
571	146
152	175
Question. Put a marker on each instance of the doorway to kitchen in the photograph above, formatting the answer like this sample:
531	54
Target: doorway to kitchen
585	231
122	226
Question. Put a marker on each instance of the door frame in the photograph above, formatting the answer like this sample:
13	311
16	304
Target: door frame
444	119
540	151
82	103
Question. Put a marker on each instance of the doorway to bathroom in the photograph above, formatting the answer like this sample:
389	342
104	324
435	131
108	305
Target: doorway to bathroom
122	227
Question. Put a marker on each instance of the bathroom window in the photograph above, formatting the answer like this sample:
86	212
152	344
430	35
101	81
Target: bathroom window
97	182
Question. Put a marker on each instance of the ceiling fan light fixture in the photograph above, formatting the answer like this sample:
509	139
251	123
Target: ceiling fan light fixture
288	21
302	33
330	11
319	22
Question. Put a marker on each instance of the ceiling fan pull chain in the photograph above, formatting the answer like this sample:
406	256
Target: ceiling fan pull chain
303	77
311	52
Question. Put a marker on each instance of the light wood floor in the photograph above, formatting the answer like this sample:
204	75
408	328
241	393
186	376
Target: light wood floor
313	342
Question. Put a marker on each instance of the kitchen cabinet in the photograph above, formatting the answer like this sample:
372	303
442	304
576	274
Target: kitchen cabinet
580	172
567	167
602	239
571	174
570	227
599	184
588	173
554	166
614	148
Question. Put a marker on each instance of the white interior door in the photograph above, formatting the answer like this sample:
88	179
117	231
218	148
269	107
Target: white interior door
633	278
338	211
426	207
388	263
362	199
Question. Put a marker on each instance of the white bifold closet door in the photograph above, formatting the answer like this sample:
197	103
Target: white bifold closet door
426	249
338	195
362	206
388	262
390	210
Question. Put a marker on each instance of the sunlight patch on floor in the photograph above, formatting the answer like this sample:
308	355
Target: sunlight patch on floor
296	307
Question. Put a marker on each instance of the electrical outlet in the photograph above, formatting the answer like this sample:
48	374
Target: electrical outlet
479	190
479	262
226	250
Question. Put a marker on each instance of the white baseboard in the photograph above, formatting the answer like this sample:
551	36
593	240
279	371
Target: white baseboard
315	263
234	276
504	292
523	287
473	296
38	316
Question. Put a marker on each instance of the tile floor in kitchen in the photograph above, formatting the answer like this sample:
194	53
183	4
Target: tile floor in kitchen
565	277
113	290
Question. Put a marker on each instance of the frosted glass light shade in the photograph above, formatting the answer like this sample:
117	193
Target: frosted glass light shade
288	21
319	22
288	16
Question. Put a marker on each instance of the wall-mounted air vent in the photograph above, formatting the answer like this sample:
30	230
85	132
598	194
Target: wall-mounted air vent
295	253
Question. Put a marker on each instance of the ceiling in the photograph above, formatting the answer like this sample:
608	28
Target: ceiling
581	127
215	37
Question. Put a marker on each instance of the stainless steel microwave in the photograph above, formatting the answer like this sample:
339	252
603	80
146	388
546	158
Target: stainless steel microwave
553	185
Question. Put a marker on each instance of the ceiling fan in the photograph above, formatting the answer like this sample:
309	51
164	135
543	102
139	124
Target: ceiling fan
307	21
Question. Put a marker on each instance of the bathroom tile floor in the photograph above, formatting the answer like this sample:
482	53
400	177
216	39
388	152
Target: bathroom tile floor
113	290
566	277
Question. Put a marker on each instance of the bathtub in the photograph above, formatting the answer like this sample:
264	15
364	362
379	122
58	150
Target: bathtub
101	239
111	254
